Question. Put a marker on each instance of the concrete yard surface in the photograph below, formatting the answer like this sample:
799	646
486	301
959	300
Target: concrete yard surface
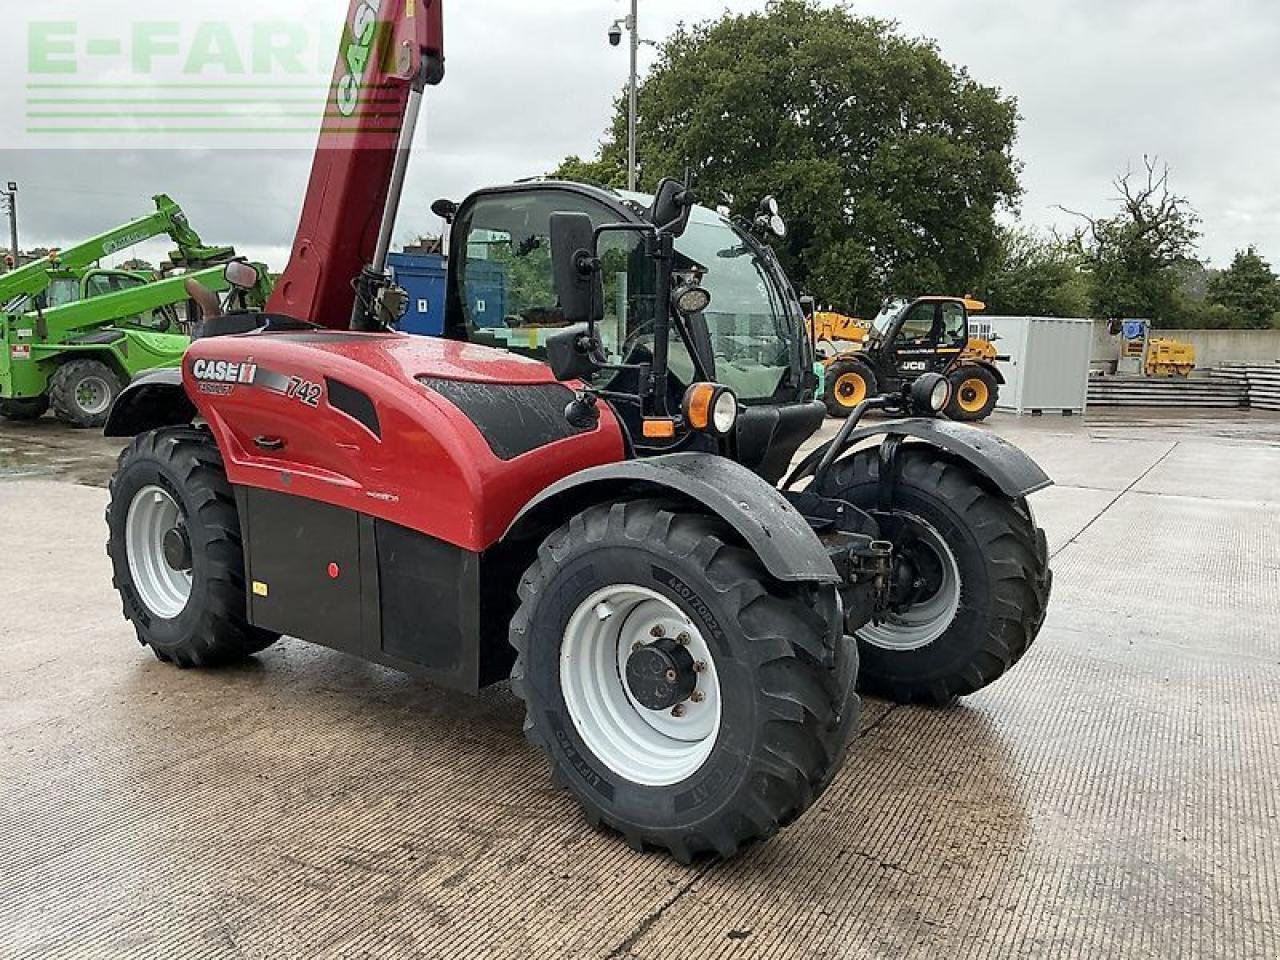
1114	796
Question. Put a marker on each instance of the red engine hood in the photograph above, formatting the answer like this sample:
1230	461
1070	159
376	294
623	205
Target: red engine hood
406	358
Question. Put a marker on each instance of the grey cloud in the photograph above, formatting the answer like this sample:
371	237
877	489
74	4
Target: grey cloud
1099	83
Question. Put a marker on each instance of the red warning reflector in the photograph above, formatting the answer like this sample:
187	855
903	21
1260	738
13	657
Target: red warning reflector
334	571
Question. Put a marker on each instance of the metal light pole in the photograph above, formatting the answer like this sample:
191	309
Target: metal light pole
635	104
632	26
13	220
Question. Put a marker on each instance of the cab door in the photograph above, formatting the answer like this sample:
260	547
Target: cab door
954	335
915	344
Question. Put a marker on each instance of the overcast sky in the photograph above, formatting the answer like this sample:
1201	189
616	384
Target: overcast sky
1099	83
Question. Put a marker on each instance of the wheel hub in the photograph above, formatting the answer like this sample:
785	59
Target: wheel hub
158	548
177	548
626	642
925	589
661	674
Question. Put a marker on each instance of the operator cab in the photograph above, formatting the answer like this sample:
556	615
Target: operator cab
502	294
921	336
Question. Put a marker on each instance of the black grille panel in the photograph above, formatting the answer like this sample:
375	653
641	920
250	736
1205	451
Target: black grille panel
514	418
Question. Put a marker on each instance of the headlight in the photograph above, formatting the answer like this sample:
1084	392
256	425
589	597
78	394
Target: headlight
691	299
725	413
930	394
711	408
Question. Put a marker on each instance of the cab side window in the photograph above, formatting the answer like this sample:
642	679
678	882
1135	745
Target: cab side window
97	285
918	327
955	326
507	290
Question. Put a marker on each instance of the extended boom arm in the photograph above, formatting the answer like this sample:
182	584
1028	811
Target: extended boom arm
168	219
391	51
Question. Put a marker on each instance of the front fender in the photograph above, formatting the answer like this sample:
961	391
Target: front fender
992	369
766	521
1015	473
155	399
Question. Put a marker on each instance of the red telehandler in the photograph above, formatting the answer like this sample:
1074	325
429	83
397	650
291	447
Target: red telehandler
583	490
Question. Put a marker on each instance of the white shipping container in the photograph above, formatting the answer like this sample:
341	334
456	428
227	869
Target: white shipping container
1048	366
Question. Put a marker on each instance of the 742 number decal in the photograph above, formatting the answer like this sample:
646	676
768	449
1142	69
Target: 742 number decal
304	391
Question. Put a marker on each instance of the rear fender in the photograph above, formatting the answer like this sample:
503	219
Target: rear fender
1011	470
156	399
766	521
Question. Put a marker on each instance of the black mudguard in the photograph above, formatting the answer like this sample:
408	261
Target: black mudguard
154	399
766	521
991	368
1015	473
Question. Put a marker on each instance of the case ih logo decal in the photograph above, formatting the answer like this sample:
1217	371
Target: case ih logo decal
223	371
221	377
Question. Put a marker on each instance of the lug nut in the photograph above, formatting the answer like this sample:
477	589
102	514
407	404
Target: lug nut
637	646
678	710
699	666
683	639
657	631
697	696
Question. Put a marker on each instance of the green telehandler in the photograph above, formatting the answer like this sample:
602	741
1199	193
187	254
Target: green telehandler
74	334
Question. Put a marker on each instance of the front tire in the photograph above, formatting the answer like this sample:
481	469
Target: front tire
176	553
848	383
754	740
974	393
978	585
82	391
28	408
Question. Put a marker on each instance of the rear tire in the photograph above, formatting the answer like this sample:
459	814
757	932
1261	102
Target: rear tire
974	393
82	392
194	616
983	543
29	408
848	383
778	678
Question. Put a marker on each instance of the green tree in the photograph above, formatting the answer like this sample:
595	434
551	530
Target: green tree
1137	259
1036	277
1249	291
889	162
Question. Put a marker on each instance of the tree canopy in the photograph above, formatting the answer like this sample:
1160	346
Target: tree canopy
1034	276
1137	257
1248	291
890	163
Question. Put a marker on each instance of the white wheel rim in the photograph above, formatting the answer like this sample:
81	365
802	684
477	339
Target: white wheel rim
164	590
924	622
654	748
93	395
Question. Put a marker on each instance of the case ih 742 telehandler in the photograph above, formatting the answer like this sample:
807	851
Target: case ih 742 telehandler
610	526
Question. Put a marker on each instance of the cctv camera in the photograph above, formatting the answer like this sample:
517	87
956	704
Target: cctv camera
615	36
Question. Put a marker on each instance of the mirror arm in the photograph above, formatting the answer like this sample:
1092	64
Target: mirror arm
663	254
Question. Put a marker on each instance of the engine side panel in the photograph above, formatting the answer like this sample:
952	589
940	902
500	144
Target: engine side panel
345	419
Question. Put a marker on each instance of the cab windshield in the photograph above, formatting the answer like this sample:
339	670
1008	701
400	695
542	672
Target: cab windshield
751	316
507	291
888	313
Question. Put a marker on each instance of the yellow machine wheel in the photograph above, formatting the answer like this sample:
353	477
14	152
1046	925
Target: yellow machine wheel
849	382
974	391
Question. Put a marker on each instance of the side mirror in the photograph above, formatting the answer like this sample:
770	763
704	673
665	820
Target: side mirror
240	275
808	306
573	353
445	209
672	206
579	285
